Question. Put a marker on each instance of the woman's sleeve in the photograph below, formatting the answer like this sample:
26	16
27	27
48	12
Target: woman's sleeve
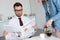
57	5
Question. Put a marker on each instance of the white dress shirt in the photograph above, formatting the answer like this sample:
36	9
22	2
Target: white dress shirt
14	26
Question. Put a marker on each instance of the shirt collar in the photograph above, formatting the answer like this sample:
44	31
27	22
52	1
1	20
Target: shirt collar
19	17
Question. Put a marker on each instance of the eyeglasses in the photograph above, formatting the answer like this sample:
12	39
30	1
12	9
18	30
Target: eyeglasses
19	10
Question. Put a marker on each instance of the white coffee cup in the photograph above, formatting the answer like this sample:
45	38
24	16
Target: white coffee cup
42	35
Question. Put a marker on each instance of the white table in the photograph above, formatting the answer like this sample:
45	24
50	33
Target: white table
38	38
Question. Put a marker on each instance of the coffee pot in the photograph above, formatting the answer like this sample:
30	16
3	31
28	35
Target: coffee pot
48	31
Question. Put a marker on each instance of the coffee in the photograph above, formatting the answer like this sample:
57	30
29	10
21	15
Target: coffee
48	33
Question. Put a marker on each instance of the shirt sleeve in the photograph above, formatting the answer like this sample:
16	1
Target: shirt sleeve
57	5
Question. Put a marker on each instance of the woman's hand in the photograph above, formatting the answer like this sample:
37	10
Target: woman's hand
49	22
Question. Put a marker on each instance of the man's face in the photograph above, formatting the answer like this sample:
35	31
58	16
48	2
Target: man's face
18	11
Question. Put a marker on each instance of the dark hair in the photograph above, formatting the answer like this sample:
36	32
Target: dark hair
17	4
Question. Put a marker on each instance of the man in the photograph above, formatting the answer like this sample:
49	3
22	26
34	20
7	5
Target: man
52	10
21	24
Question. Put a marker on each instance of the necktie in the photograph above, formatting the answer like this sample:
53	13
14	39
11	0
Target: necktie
20	21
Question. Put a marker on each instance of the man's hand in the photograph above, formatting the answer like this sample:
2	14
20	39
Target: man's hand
5	33
49	23
35	27
25	29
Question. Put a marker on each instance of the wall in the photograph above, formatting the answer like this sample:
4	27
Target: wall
39	12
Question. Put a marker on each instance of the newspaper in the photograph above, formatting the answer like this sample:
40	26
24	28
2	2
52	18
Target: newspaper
28	25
